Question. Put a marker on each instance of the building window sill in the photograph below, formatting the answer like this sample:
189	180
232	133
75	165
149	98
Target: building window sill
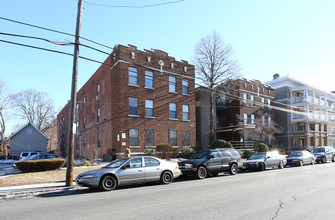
149	88
134	116
135	147
173	119
150	147
186	94
175	146
149	117
176	93
133	85
186	120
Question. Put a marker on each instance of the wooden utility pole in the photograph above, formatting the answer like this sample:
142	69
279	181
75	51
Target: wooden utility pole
72	118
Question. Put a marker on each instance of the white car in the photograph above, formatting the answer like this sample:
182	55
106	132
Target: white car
26	155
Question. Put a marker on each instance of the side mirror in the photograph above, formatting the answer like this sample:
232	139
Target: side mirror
267	158
211	156
126	166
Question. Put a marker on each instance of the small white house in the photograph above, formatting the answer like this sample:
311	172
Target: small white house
28	138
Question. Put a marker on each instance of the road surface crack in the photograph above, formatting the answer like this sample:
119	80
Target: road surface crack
279	208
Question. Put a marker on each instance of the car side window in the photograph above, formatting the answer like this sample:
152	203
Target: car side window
134	163
223	153
151	162
215	154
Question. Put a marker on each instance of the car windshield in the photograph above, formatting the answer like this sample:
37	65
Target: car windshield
257	156
318	150
295	154
199	155
117	163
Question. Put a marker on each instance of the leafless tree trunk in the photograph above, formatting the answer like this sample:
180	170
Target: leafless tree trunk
215	66
4	102
34	106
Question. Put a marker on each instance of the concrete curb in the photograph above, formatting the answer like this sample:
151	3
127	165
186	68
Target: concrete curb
35	191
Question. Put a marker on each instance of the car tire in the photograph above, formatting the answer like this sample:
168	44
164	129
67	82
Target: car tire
108	183
324	159
166	177
281	165
201	172
333	159
233	170
261	167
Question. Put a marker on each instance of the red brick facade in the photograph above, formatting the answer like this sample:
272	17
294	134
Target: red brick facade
109	90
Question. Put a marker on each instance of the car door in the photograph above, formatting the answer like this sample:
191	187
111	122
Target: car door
132	172
152	169
214	162
270	160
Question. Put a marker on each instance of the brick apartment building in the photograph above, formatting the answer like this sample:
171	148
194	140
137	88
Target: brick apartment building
137	100
247	103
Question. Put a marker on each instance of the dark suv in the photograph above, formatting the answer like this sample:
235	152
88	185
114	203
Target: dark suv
212	161
323	154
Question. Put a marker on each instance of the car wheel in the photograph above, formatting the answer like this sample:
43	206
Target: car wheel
201	172
301	163
281	165
312	162
333	160
166	177
108	183
261	167
324	159
233	169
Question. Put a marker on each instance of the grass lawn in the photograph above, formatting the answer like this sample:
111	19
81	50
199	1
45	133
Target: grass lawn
41	177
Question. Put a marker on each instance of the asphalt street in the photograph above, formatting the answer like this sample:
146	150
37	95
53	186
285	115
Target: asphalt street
291	193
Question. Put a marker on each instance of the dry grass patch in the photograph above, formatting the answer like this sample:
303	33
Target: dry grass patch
41	177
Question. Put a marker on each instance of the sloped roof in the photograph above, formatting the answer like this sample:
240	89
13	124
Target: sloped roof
18	131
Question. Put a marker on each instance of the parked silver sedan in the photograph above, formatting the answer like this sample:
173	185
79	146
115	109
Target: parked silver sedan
130	171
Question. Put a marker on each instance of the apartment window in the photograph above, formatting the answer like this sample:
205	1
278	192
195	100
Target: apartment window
270	140
173	138
252	99
77	127
98	91
172	84
77	144
269	120
186	113
172	65
245	118
245	98
252	119
99	138
269	102
149	79
149	137
84	103
84	123
263	102
133	106
185	87
173	110
77	110
133	137
263	119
149	108
186	138
149	59
132	74
98	115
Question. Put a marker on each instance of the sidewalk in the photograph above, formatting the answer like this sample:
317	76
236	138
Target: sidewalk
35	189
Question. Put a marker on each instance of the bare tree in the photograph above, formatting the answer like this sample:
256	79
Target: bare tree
4	103
34	106
215	67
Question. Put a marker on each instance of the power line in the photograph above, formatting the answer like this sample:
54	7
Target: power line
132	6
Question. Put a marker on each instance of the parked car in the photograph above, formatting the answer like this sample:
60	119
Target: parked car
50	156
130	170
26	155
264	160
323	154
214	161
300	158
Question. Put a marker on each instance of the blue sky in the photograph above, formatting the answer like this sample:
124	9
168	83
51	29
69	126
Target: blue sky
293	38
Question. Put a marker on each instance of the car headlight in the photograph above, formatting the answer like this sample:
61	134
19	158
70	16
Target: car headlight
188	166
89	176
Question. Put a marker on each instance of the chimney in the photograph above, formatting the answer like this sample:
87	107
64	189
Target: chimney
276	76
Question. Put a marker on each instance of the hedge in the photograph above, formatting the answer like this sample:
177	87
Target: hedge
40	165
